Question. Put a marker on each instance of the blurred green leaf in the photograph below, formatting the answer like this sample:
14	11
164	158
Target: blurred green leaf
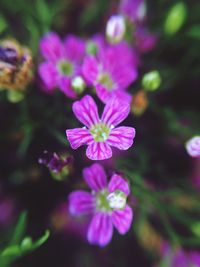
194	32
175	18
19	230
3	23
196	228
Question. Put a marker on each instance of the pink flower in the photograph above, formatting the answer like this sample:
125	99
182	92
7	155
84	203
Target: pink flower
193	147
106	203
111	71
134	10
101	134
62	63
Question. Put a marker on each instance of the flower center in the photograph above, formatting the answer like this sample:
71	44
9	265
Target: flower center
102	203
105	79
108	202
100	132
65	67
117	200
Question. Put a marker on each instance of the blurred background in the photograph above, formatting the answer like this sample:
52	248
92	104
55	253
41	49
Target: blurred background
164	178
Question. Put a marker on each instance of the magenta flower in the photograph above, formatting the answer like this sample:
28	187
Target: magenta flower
134	10
106	203
181	258
62	63
111	71
100	134
193	147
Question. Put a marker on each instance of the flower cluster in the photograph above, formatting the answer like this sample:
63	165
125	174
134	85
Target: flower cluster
108	65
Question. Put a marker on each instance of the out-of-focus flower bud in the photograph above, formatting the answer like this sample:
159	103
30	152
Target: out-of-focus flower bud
175	18
193	146
91	48
58	166
15	68
139	103
78	84
115	29
151	80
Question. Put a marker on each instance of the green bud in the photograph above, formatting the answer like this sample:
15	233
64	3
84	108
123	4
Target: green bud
26	243
151	80
15	96
91	48
78	84
175	18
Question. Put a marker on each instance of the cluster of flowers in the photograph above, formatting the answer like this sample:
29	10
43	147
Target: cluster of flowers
109	65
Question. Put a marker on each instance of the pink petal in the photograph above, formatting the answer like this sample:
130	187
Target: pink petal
48	74
124	75
121	137
81	202
78	137
118	183
51	47
65	87
74	48
115	112
90	69
99	151
86	111
95	177
122	219
100	229
103	93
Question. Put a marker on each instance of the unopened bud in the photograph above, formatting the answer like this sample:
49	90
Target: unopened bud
115	29
151	80
78	84
91	48
175	18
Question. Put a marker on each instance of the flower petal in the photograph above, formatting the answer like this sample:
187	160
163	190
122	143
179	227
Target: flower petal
95	177
81	202
121	137
86	111
99	151
122	219
115	112
90	69
100	229
51	47
118	183
78	137
48	74
65	87
74	48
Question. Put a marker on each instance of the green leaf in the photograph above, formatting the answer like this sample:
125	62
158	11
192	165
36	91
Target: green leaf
3	23
41	240
194	32
196	228
19	230
11	251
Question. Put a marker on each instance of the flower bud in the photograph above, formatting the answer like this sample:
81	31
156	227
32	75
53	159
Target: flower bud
115	29
15	66
151	80
78	84
117	200
175	18
139	103
193	147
